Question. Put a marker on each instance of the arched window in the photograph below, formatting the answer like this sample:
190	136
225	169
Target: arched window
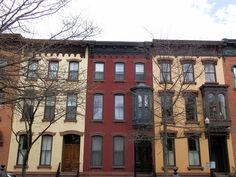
221	102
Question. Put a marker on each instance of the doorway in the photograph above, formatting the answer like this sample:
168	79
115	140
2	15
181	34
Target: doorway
70	153
219	153
143	156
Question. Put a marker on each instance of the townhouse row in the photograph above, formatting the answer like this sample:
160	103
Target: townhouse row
118	108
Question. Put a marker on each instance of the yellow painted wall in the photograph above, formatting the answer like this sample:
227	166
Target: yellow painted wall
59	126
181	146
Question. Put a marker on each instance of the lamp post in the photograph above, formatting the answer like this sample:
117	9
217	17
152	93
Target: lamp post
207	124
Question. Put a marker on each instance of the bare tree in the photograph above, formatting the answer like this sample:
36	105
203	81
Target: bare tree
37	89
177	69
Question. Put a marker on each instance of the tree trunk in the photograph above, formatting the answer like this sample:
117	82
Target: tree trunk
165	155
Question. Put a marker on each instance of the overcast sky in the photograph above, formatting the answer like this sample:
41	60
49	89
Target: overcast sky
143	20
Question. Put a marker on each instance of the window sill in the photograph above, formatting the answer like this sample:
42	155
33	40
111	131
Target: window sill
70	120
119	81
192	122
19	166
29	79
143	81
170	168
211	83
44	167
195	168
97	121
71	80
119	121
118	167
95	80
169	82
194	83
47	119
96	167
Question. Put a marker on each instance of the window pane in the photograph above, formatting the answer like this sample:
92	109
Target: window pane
193	146
190	108
118	157
165	72
74	69
167	107
210	72
146	100
22	149
140	102
98	107
32	69
71	106
119	71
188	72
96	151
99	71
212	106
171	151
139	71
222	106
46	150
49	111
119	107
53	68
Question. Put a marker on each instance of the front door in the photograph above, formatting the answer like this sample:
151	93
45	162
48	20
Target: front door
70	154
143	156
219	153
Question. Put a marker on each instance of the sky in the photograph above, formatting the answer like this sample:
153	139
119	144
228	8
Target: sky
143	20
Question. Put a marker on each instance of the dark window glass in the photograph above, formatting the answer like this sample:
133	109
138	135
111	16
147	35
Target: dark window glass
210	72
46	150
32	69
119	107
190	108
71	108
167	107
99	71
118	151
73	70
53	69
28	109
222	106
96	159
139	71
188	72
170	151
49	111
165	74
97	107
119	71
212	106
194	152
22	149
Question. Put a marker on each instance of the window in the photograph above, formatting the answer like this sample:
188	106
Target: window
119	107
46	150
193	151
234	73
73	70
210	72
167	106
99	71
222	106
96	159
71	108
190	107
212	106
119	71
32	70
139	71
165	68
49	111
53	69
97	107
28	109
118	151
22	149
188	72
170	151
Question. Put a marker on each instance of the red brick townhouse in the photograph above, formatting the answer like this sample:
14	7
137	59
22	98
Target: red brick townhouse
118	127
229	65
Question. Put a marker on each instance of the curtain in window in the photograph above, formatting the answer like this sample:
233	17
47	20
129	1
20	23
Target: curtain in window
46	149
119	107
98	107
118	158
96	151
